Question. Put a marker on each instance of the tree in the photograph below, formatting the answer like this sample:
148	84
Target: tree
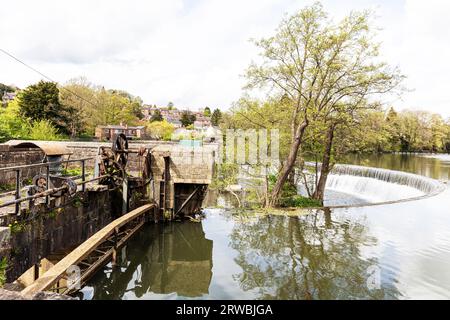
156	116
79	95
216	117
160	130
41	102
12	124
44	130
187	118
207	112
170	105
321	68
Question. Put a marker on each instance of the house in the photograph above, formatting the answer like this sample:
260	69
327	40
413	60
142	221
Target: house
109	132
8	96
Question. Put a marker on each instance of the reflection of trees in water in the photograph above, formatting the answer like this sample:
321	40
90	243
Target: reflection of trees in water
160	259
305	257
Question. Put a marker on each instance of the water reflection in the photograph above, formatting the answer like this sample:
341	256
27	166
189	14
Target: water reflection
160	260
308	257
319	255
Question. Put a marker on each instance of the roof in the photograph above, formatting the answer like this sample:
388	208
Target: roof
49	148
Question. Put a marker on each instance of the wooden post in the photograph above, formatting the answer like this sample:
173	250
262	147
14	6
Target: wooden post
114	252
18	187
47	184
166	197
83	175
125	196
36	271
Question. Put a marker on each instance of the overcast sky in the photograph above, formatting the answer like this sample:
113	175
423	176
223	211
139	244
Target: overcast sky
194	52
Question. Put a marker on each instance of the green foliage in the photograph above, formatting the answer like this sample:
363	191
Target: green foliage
216	117
225	175
3	267
207	112
298	201
12	124
77	202
156	116
187	118
44	130
41	102
7	187
17	226
94	105
160	130
72	172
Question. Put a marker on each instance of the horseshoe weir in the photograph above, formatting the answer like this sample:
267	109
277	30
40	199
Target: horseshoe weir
77	204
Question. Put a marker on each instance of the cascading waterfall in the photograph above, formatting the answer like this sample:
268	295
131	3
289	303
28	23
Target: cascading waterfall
374	185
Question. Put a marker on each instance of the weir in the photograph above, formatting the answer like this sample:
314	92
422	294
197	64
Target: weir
381	185
51	221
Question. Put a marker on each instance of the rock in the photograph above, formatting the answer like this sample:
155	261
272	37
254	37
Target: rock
234	188
14	295
10	295
15	286
52	296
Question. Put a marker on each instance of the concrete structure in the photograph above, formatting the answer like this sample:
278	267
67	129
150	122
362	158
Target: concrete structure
181	176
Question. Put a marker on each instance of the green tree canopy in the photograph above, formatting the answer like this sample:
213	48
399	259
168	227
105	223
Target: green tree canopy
216	117
156	116
187	118
41	102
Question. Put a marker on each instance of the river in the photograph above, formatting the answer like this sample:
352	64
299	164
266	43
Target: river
394	251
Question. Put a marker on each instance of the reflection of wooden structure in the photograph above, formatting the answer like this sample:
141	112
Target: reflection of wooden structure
163	259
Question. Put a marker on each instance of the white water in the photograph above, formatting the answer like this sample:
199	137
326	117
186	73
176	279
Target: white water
376	185
370	189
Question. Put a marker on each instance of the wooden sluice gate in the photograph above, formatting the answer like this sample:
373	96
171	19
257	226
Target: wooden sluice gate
168	182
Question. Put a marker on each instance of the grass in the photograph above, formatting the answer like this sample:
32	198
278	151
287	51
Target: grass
298	201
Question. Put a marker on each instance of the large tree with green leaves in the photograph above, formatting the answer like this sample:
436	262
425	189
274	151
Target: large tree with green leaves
216	117
41	102
320	66
187	118
156	116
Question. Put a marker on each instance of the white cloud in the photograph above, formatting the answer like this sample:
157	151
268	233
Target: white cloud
193	52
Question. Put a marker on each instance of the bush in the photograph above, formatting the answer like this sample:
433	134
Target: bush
44	130
298	201
160	130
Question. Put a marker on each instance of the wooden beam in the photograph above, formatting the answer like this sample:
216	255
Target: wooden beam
51	277
188	199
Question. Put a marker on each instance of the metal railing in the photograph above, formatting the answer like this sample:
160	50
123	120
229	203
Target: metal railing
18	183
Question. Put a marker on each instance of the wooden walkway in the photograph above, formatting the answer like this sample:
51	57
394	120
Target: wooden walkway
93	253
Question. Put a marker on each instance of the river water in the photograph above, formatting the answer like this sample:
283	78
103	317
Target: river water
395	251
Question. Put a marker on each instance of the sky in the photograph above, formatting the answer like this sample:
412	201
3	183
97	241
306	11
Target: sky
194	53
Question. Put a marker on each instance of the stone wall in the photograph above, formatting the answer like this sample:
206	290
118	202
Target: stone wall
188	166
59	229
18	157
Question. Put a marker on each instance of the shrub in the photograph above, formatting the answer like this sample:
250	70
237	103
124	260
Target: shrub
298	201
44	130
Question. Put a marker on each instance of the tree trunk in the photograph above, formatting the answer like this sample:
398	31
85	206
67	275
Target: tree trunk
325	168
288	165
